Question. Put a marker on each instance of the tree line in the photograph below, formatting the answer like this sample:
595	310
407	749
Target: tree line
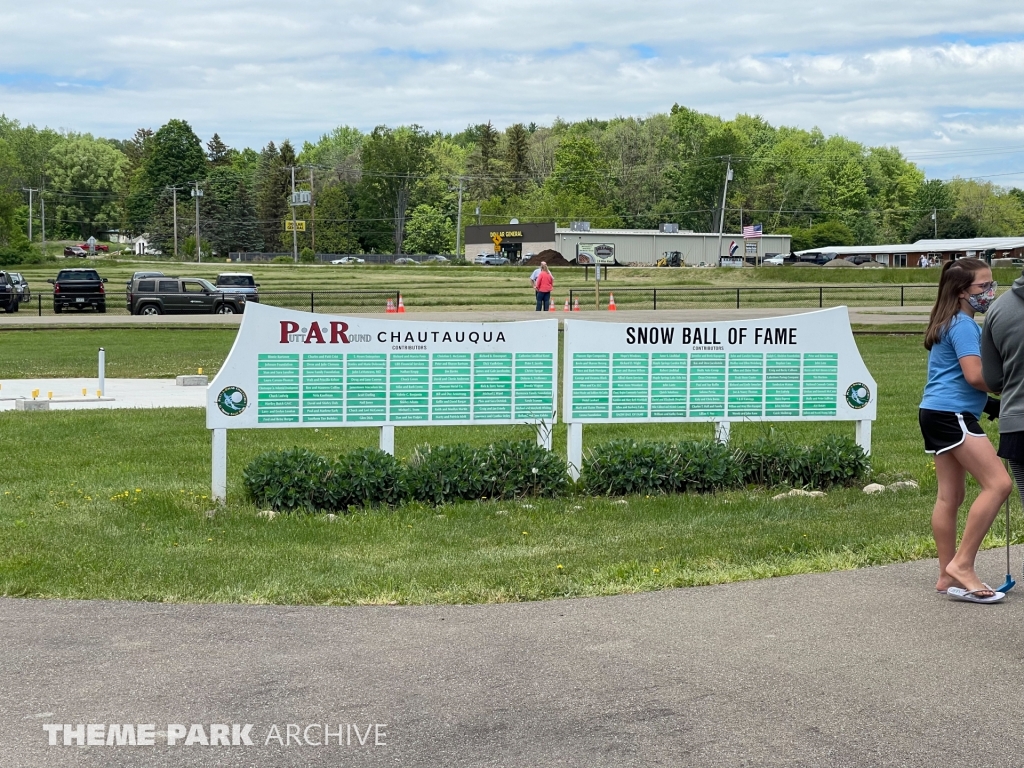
397	189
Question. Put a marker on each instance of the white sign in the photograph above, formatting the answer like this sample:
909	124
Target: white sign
595	253
795	368
297	369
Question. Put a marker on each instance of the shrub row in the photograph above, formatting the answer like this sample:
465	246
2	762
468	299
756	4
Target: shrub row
300	480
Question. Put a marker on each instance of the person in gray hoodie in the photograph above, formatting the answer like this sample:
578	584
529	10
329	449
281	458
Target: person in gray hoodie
1002	367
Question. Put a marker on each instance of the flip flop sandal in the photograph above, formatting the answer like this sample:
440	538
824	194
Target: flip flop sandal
971	596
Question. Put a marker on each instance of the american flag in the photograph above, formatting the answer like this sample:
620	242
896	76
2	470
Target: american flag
752	232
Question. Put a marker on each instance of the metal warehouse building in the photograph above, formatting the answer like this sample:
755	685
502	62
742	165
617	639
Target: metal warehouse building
625	246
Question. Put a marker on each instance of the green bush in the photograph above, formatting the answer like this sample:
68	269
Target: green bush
282	260
836	461
295	480
307	256
299	480
366	477
458	261
626	467
437	475
523	468
10	256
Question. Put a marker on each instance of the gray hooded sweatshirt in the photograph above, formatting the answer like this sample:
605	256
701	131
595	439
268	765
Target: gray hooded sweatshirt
1002	355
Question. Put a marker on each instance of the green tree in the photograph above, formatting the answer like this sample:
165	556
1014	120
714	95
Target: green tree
429	231
392	162
579	169
218	152
229	213
174	156
337	150
482	162
272	184
517	157
85	176
334	225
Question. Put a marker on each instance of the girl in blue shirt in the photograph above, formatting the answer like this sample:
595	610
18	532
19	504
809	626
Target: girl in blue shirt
952	404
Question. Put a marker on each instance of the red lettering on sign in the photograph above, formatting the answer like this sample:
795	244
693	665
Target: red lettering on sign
287	327
338	332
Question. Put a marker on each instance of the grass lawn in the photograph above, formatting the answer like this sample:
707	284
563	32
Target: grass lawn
473	287
112	504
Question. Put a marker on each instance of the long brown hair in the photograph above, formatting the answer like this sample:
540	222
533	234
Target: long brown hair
956	278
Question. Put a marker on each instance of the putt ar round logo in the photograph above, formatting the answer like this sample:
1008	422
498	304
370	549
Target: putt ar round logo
858	395
232	401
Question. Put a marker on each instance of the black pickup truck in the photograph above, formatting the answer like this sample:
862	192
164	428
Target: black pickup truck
79	288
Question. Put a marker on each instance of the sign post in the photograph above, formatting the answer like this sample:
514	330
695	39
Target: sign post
291	369
796	368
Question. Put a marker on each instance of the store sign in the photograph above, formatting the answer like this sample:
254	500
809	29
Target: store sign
595	253
798	368
297	369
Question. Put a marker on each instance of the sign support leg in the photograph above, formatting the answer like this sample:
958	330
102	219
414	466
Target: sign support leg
219	488
863	435
574	449
722	431
387	439
543	429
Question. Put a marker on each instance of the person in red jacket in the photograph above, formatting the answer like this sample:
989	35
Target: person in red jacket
543	284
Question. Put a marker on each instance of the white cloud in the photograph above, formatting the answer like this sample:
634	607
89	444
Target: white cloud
923	76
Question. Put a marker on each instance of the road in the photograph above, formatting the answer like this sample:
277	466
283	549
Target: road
859	668
861	315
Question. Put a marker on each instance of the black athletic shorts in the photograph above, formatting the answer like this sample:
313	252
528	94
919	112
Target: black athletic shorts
1011	446
943	430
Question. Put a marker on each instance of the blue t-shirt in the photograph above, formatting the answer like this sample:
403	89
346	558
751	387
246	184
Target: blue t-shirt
947	389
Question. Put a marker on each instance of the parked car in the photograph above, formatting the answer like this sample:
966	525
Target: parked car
79	288
99	247
239	282
9	298
74	250
348	260
405	261
181	295
22	285
438	259
491	260
775	260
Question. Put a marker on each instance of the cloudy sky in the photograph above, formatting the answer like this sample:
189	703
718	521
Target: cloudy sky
943	79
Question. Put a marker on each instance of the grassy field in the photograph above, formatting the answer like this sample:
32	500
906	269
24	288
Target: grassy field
463	288
108	504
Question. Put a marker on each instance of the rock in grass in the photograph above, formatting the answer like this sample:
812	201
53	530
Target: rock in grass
799	492
211	513
331	517
620	501
874	488
902	484
269	514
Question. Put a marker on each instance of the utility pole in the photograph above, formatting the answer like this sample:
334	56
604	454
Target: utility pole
725	191
458	225
42	219
30	191
174	198
197	193
295	234
312	213
935	221
478	215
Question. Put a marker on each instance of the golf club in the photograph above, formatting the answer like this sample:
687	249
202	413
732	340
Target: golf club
1009	583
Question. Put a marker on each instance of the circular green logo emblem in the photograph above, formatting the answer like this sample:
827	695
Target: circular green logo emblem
858	395
232	401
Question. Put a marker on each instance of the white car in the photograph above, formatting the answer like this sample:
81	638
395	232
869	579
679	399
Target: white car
775	260
348	260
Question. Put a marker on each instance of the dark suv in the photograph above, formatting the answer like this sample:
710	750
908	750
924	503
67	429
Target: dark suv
9	298
179	296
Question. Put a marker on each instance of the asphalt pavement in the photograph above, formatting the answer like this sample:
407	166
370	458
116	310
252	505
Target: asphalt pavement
856	668
862	315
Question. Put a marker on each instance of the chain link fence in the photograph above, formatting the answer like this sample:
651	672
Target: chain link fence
776	297
333	302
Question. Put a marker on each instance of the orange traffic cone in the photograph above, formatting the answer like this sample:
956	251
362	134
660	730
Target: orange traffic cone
566	307
611	302
401	304
551	306
576	306
390	308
